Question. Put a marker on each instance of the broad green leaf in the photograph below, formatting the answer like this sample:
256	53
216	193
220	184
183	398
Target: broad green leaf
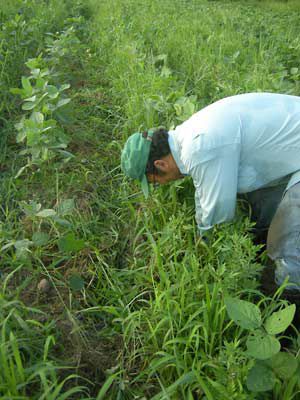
29	123
36	153
32	98
76	282
32	136
188	108
283	364
20	125
26	86
35	72
32	63
31	208
177	108
37	117
28	105
64	87
22	244
70	244
47	212
18	91
262	346
50	123
63	222
52	91
280	320
260	378
66	154
243	313
22	248
66	207
40	238
21	136
63	102
41	83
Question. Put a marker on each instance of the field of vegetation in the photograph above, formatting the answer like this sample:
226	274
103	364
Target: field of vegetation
104	295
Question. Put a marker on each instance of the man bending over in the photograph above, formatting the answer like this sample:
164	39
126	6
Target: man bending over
244	144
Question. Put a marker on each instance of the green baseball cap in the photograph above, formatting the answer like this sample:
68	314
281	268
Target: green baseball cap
135	156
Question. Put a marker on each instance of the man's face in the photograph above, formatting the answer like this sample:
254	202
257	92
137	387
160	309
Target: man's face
168	171
160	179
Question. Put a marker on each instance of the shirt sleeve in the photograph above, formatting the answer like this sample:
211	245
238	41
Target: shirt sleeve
215	182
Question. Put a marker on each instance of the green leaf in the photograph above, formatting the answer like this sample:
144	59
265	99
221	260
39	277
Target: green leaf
283	364
63	222
22	244
35	72
70	244
22	248
52	91
177	108
260	378
47	212
189	109
37	117
27	86
64	87
40	238
21	136
63	102
76	282
243	313
20	125
31	208
32	63
28	106
33	137
66	154
18	91
40	83
66	207
262	346
280	320
32	98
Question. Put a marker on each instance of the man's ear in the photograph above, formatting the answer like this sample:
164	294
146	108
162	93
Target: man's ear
161	165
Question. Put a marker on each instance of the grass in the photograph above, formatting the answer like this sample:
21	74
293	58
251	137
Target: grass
145	317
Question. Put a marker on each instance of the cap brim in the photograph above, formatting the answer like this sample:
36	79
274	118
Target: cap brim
145	186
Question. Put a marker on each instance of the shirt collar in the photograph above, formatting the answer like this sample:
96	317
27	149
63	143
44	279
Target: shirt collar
175	151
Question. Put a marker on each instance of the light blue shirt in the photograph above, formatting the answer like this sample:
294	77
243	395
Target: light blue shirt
236	145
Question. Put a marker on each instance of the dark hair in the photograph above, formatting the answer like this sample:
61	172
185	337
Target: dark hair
159	148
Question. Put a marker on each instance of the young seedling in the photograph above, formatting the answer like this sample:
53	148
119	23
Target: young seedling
262	343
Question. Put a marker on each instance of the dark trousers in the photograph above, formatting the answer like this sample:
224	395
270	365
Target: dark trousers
277	212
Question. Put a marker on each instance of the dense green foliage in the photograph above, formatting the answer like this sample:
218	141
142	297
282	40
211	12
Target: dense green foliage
134	302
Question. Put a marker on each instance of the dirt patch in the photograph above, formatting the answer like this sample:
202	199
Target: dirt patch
80	341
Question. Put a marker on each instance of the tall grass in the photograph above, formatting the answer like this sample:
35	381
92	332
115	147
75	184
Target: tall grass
176	332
